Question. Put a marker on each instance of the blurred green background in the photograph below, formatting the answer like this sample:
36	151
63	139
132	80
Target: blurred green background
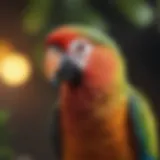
135	26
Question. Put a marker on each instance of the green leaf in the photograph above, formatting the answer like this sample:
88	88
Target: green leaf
4	133
38	54
4	116
36	16
136	11
6	153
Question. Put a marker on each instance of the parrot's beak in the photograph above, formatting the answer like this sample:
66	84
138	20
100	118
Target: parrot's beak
60	67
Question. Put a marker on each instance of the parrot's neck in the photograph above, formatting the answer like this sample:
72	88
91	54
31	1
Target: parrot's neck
94	126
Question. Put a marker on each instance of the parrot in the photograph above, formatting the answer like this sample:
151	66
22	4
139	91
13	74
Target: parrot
99	114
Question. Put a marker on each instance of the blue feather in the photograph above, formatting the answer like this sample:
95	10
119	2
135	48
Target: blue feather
138	129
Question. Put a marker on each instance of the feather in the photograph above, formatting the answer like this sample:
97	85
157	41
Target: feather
144	128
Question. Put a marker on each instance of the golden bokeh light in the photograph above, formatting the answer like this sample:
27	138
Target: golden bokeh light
5	49
15	70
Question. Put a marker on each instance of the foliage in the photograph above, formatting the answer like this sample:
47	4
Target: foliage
136	11
6	152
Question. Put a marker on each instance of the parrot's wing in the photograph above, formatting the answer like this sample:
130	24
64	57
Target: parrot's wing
56	133
144	127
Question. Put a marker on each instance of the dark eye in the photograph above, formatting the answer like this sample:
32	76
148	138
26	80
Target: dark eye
80	50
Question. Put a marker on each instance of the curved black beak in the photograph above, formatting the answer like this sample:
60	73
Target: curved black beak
68	71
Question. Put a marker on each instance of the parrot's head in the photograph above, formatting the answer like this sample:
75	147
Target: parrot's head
82	56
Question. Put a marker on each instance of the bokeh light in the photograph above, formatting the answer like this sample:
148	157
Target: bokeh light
5	48
15	69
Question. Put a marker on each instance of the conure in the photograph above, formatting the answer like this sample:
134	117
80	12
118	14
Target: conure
99	116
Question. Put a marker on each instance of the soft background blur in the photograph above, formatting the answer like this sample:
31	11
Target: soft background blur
135	25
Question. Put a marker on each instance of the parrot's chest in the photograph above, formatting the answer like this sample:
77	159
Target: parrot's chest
96	136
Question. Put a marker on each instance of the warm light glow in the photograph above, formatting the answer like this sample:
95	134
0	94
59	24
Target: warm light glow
15	70
5	48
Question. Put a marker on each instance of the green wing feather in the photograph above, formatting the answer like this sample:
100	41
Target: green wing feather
145	127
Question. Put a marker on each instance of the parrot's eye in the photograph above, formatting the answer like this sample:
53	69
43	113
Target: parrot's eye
80	51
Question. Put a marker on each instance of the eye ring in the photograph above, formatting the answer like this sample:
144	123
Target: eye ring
79	46
80	50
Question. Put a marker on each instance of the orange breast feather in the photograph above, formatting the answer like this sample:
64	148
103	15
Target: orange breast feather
97	132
